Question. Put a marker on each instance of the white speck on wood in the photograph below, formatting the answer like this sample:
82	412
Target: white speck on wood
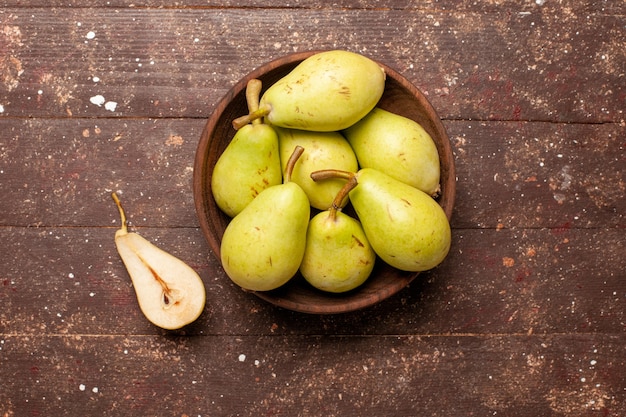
98	100
110	105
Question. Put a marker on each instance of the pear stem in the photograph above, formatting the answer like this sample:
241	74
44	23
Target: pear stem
241	121
341	196
291	163
325	174
253	92
124	227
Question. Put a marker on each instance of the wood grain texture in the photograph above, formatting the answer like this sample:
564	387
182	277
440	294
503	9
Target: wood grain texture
71	281
275	375
179	62
571	6
526	317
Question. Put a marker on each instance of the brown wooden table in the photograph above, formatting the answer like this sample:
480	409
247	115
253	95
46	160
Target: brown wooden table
526	317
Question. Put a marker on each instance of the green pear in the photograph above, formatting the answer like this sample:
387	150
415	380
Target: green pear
170	293
262	247
327	91
249	164
397	146
405	226
338	256
322	150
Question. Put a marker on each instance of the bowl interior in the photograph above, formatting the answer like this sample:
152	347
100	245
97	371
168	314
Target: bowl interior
400	97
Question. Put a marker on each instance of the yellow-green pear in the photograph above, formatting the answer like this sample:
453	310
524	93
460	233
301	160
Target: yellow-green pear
322	150
328	91
397	146
405	226
262	247
249	164
338	256
170	293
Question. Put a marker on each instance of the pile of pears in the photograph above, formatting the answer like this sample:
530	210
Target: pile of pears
314	142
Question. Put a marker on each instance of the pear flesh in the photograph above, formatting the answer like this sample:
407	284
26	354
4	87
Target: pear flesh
170	293
397	146
262	247
322	150
249	164
327	91
338	257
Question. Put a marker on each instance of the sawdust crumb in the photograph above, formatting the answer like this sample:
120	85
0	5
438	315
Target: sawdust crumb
174	140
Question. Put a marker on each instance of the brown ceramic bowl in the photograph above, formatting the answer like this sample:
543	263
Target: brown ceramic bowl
401	97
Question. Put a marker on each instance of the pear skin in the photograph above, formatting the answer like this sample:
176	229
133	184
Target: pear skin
262	247
170	293
328	91
397	146
249	164
322	150
405	226
338	256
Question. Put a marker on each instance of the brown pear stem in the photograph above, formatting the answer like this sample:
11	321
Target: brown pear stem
121	210
326	174
291	163
241	121
341	196
253	92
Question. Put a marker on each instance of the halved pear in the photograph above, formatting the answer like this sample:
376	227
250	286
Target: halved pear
170	293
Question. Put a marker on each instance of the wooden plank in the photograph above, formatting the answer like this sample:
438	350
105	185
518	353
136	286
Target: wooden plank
70	281
539	175
572	6
59	172
551	65
539	375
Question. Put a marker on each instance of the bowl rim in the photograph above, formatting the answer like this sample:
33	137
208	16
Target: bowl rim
208	225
